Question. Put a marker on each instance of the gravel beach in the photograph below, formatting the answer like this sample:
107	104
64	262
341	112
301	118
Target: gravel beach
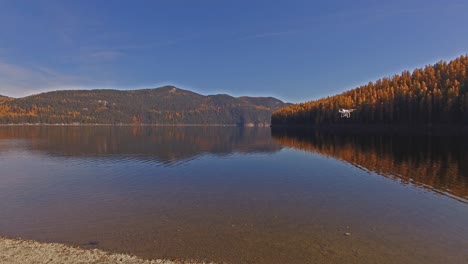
17	251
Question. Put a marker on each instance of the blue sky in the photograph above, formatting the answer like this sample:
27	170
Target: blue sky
294	50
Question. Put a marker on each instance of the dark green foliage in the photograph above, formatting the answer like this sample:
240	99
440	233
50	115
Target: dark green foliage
165	105
437	94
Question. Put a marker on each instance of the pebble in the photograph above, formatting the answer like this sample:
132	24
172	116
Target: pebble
347	234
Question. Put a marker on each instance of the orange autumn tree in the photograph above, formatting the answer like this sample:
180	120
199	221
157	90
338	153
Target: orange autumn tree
435	94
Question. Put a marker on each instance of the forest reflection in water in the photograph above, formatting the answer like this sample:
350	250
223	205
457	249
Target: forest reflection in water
438	163
164	144
435	162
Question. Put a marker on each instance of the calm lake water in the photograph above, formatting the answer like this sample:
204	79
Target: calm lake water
238	195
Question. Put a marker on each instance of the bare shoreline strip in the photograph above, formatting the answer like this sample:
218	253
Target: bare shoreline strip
18	251
116	125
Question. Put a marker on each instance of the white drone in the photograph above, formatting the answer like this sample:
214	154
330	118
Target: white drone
345	112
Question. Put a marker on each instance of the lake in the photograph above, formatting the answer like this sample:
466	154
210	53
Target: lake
238	195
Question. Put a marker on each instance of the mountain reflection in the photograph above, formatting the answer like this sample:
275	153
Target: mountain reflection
166	144
439	163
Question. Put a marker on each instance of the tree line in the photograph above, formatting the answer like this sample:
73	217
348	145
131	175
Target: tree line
164	105
435	94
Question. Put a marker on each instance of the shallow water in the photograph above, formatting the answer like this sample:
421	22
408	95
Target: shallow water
236	195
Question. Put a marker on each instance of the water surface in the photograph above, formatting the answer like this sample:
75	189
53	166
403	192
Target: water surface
237	195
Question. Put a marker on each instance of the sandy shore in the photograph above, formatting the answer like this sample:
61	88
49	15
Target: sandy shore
17	251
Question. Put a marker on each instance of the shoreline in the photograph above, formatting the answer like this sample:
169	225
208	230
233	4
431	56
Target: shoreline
364	129
19	251
134	125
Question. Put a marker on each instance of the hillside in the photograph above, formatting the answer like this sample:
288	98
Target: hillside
164	105
436	94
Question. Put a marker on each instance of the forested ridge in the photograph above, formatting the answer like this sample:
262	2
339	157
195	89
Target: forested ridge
164	105
435	94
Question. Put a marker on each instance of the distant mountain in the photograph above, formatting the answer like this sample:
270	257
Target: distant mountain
164	105
434	95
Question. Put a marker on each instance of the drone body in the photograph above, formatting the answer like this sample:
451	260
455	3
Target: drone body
345	112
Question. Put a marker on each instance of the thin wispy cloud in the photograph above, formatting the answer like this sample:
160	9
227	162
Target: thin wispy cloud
18	80
101	56
165	42
384	11
85	56
70	25
268	34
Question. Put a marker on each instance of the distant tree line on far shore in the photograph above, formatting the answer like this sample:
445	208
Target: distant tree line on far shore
164	105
